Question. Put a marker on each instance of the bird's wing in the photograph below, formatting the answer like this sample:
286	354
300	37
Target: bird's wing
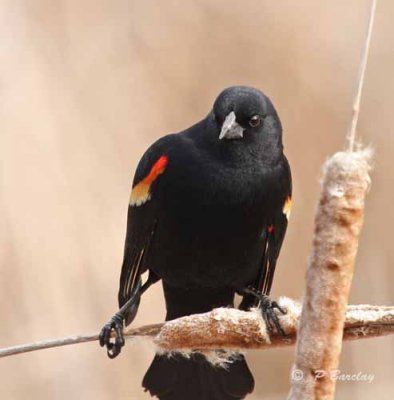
142	220
275	233
272	243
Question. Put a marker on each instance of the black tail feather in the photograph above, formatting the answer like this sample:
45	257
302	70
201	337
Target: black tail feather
180	378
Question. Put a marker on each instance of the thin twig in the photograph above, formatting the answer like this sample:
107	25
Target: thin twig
232	329
351	135
148	330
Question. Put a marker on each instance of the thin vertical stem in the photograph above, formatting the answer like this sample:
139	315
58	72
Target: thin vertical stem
351	134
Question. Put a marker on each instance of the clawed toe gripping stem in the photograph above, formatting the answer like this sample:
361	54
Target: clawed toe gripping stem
268	308
114	345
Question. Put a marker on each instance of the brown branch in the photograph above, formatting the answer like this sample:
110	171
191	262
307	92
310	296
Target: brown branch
232	330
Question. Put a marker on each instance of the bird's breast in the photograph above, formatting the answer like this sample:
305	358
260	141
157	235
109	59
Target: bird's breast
218	199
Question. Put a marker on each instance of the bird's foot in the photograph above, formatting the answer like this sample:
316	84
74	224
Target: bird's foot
270	316
114	344
268	310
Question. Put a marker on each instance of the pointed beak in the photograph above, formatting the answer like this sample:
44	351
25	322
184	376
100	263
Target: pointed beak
230	128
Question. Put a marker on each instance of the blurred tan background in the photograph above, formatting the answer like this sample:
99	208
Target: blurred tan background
86	86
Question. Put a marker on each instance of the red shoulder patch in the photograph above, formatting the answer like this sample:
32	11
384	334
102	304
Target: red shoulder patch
140	193
158	168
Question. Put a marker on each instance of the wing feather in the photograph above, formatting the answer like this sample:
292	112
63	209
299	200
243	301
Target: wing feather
141	224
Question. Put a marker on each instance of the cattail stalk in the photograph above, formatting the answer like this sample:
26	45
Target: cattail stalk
338	223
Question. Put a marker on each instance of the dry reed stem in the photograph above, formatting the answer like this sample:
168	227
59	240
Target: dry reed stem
338	223
231	330
351	135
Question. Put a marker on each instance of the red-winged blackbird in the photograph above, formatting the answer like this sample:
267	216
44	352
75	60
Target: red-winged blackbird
207	215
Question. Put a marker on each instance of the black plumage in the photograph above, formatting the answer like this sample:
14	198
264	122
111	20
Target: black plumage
208	213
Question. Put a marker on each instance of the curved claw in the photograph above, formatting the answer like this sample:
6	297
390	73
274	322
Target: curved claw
270	316
114	347
267	309
278	307
113	350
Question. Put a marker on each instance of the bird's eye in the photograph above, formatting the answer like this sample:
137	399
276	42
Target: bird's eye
255	121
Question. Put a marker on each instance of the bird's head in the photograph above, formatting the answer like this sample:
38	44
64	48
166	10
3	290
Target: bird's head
245	114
